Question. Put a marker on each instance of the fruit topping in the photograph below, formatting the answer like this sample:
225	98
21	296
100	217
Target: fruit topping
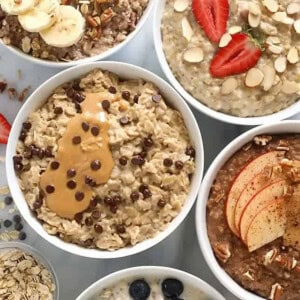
172	288
4	130
139	289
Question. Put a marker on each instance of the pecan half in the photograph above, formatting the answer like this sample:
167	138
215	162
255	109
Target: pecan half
222	251
288	263
276	292
262	140
270	256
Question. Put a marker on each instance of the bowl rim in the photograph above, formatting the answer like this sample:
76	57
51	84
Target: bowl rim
38	256
102	56
75	72
227	118
282	127
144	271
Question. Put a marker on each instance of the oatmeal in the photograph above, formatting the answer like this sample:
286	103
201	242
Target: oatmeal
262	36
253	215
105	162
70	30
23	277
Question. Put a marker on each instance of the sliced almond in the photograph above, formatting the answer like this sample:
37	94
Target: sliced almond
187	30
275	49
193	55
234	29
271	5
293	56
254	77
254	20
181	5
276	80
293	8
268	28
225	40
288	21
275	90
254	9
297	26
269	77
279	16
273	40
228	86
290	87
280	64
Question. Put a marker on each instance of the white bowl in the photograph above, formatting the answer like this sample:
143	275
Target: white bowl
101	56
283	114
224	155
151	271
124	71
28	249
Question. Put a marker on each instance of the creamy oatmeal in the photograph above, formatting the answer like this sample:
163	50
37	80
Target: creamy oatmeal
253	216
68	30
105	162
270	82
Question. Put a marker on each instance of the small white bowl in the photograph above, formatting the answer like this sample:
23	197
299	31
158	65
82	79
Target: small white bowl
283	114
102	56
153	272
30	250
220	160
125	71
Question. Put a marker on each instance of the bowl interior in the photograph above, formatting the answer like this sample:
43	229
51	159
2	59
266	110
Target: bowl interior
159	272
124	71
283	114
223	277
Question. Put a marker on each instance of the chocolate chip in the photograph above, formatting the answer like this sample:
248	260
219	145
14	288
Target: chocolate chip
48	152
85	126
37	204
136	98
50	189
126	95
168	162
108	200
58	110
147	193
78	97
98	198
113	208
8	200
18	167
96	214
116	200
156	98
17	159
143	187
88	221
137	160
79	196
105	105
124	121
7	223
120	229
190	151
112	90
76	85
98	228
161	203
134	196
78	217
95	131
70	93
76	140
35	150
123	160
143	154
179	165
22	236
54	165
22	136
71	184
71	173
26	125
17	218
90	181
148	142
95	165
41	154
18	226
93	204
77	107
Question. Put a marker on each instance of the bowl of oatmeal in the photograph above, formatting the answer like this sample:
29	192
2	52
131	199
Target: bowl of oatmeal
150	282
240	68
105	160
64	34
247	213
25	273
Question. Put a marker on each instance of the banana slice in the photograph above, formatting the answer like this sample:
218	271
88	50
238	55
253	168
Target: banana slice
47	6
16	7
68	28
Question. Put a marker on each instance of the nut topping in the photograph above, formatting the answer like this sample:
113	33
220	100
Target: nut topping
262	140
269	77
297	26
225	40
280	64
290	87
270	256
222	251
234	29
276	292
293	56
187	30
193	55
254	77
271	5
181	5
293	8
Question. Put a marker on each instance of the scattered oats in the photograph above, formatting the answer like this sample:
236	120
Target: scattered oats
23	93
4	190
12	210
293	55
290	87
9	236
2	205
228	86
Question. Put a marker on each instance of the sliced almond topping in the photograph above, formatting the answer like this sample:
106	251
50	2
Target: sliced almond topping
225	40
254	77
249	276
276	292
290	87
272	40
275	49
193	55
234	29
293	55
288	21
279	16
187	30
254	20
297	26
270	256
268	28
254	9
269	77
293	8
222	251
271	5
228	86
280	64
181	5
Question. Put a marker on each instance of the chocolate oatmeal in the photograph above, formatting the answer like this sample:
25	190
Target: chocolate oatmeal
68	30
105	162
253	216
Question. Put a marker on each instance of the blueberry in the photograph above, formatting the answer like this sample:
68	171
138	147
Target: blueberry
139	289
7	223
8	200
172	288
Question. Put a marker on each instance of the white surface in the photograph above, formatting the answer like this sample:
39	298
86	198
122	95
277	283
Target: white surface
124	71
181	249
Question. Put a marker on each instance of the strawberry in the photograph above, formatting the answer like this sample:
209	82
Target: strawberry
240	55
212	16
4	130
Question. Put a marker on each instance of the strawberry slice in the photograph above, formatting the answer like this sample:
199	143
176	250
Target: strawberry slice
240	55
212	16
4	130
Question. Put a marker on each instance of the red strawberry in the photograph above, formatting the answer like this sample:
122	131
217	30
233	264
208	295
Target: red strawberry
240	55
212	15
4	130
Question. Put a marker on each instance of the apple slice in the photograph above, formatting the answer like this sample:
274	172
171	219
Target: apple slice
268	225
292	237
265	196
249	171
